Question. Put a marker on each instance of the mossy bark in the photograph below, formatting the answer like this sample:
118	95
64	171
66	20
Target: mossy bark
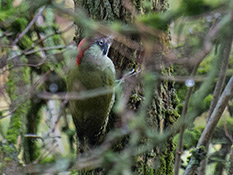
18	89
162	112
17	86
31	151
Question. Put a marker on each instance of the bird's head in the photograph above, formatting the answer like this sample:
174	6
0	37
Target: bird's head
98	46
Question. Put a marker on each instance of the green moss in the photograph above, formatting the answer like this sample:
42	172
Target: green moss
205	65
8	151
166	160
48	160
31	149
18	80
194	7
6	4
173	115
170	163
198	154
73	172
162	167
207	101
155	20
191	137
25	41
19	24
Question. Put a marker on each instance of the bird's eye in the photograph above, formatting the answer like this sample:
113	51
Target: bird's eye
100	42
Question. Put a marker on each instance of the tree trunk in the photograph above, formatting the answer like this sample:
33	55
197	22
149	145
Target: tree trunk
161	113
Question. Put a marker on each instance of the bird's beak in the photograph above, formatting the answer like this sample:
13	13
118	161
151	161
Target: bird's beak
110	38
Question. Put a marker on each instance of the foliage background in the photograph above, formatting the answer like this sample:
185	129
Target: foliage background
179	50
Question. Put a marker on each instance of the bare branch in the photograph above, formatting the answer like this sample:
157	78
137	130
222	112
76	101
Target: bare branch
179	149
34	136
39	50
182	79
74	95
212	123
225	52
227	133
48	36
29	26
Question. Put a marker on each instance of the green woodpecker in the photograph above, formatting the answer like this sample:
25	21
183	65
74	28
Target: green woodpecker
94	72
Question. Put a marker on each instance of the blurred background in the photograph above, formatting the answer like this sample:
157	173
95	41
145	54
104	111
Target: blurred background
174	63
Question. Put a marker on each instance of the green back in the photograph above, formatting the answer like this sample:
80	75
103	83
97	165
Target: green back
89	114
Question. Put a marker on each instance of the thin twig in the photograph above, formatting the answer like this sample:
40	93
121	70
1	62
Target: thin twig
227	133
103	29
39	50
46	49
42	60
48	36
202	55
59	114
34	136
182	79
212	123
224	53
179	149
29	26
225	49
74	95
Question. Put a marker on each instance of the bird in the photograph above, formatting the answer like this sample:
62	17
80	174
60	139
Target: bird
94	72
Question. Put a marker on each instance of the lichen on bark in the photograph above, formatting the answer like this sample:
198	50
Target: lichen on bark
17	86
